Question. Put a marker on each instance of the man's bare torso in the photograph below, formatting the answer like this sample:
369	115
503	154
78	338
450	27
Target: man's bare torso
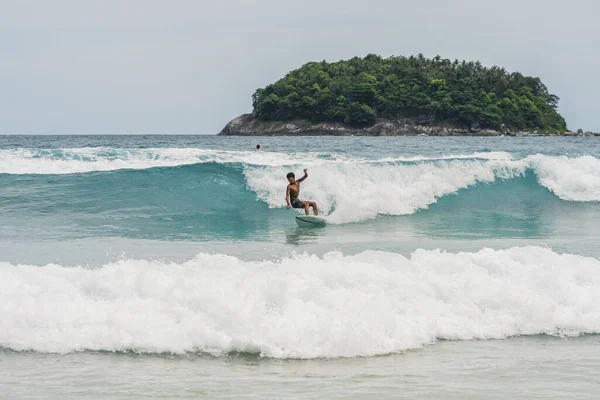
294	190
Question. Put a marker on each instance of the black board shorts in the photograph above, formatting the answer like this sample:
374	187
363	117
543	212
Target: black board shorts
297	203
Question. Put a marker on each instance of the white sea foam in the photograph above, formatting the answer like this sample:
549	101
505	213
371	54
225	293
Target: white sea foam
299	307
88	159
349	188
492	155
573	179
350	192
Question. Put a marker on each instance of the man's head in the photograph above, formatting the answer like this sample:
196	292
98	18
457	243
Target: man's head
291	177
258	147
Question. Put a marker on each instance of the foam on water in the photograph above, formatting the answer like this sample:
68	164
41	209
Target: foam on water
80	160
573	179
492	155
352	192
348	189
88	159
299	307
356	192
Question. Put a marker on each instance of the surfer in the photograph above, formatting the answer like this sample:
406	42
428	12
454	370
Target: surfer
293	192
258	148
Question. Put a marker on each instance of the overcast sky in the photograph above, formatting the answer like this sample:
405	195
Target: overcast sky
183	66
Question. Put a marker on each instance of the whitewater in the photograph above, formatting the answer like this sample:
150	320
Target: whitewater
386	186
372	303
444	260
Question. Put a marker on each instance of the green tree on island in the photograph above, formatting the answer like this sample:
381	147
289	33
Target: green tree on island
361	91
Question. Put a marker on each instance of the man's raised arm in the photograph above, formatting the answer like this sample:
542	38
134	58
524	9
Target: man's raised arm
304	177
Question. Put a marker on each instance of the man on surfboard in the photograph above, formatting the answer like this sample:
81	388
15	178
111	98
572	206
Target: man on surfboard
292	194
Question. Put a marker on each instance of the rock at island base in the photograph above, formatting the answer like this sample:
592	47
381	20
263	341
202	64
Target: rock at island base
247	125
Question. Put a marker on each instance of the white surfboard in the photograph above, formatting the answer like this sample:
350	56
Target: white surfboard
309	221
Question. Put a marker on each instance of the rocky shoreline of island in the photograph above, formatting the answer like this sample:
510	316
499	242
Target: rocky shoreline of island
247	125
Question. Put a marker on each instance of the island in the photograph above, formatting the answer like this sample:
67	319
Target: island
398	95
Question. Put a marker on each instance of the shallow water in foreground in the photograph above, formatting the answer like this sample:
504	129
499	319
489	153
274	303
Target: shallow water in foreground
537	367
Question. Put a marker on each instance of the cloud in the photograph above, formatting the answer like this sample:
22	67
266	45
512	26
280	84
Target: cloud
191	66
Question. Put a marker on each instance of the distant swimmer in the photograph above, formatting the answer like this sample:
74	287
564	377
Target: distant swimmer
292	194
258	148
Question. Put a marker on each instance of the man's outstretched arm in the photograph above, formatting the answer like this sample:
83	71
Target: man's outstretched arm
287	197
304	177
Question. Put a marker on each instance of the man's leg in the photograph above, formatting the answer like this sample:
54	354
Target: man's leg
314	207
306	205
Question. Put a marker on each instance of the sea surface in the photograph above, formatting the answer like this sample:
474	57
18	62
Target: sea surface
136	267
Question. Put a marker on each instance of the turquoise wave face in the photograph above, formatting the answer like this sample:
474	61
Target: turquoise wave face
215	201
518	207
204	200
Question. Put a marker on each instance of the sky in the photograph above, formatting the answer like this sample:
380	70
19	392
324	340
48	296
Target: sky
183	66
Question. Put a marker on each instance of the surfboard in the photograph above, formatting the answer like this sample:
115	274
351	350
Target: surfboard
309	221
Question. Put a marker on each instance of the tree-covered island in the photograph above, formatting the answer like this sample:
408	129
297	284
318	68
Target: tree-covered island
401	95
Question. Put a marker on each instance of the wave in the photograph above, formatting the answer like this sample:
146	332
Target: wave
573	179
373	303
206	200
351	192
347	189
91	159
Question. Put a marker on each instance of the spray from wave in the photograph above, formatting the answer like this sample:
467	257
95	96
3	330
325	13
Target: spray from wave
351	192
299	307
89	159
348	189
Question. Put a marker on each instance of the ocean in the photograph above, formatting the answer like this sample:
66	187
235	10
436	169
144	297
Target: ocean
165	266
